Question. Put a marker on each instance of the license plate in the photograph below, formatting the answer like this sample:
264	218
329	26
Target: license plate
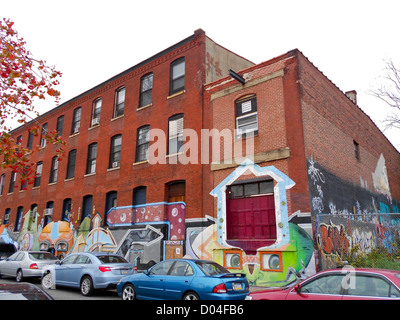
124	271
237	286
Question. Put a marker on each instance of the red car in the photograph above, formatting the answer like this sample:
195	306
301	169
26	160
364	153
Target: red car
339	284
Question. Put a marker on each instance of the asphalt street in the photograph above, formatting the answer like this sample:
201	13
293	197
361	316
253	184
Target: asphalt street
62	293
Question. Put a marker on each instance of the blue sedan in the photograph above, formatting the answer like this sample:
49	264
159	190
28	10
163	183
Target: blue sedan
87	271
186	279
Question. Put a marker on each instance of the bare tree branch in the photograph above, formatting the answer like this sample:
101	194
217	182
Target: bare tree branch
389	93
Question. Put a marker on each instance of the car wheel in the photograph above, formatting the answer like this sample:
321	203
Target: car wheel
87	286
47	281
20	276
128	292
191	296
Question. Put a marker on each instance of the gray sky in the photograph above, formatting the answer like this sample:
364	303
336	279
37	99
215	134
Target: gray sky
90	41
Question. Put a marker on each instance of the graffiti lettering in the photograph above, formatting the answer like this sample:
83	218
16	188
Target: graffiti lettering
334	240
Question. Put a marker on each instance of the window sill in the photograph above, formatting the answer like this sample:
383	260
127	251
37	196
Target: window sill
140	162
94	126
89	174
144	107
52	183
174	154
243	136
74	134
119	117
69	179
176	94
35	188
113	169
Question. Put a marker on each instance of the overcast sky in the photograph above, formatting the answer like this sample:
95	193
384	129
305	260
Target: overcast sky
90	41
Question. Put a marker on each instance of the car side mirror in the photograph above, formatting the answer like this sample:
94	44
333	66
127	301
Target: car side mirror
58	262
297	288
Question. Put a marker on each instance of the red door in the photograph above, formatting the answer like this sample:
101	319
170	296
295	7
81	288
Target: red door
251	222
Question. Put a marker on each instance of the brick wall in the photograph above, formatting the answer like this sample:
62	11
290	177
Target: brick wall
332	122
128	176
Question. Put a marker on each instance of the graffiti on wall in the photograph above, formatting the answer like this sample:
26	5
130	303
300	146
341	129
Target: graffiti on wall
348	216
147	234
272	264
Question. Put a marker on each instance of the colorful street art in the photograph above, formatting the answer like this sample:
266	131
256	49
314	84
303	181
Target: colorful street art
348	216
147	234
273	264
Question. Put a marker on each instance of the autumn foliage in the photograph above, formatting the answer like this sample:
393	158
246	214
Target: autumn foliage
23	80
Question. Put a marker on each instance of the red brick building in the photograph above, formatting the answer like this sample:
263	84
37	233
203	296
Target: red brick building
107	133
322	178
310	189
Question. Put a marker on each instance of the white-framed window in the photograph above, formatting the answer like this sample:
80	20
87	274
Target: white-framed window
43	140
119	102
142	143
91	158
146	90
175	134
76	120
96	112
38	175
246	116
177	76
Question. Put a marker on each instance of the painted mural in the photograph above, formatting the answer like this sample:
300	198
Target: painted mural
348	216
288	258
149	233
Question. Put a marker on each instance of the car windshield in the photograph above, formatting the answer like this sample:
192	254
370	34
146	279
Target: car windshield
111	259
42	256
211	268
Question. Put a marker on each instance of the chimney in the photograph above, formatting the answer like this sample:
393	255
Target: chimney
352	95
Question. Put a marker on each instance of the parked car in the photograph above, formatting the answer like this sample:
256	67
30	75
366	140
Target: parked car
24	264
186	279
22	291
6	250
339	284
87	271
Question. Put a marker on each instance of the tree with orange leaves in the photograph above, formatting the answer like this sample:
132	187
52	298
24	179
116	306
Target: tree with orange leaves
23	80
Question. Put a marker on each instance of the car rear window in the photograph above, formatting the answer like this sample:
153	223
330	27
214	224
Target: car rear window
111	259
7	248
210	268
42	256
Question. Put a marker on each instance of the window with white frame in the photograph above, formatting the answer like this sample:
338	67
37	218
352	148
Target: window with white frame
146	90
96	112
43	140
54	170
115	151
177	76
246	116
12	181
175	134
119	102
2	180
38	175
76	120
91	158
142	143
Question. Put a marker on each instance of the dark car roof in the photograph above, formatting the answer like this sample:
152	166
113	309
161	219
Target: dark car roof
24	290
